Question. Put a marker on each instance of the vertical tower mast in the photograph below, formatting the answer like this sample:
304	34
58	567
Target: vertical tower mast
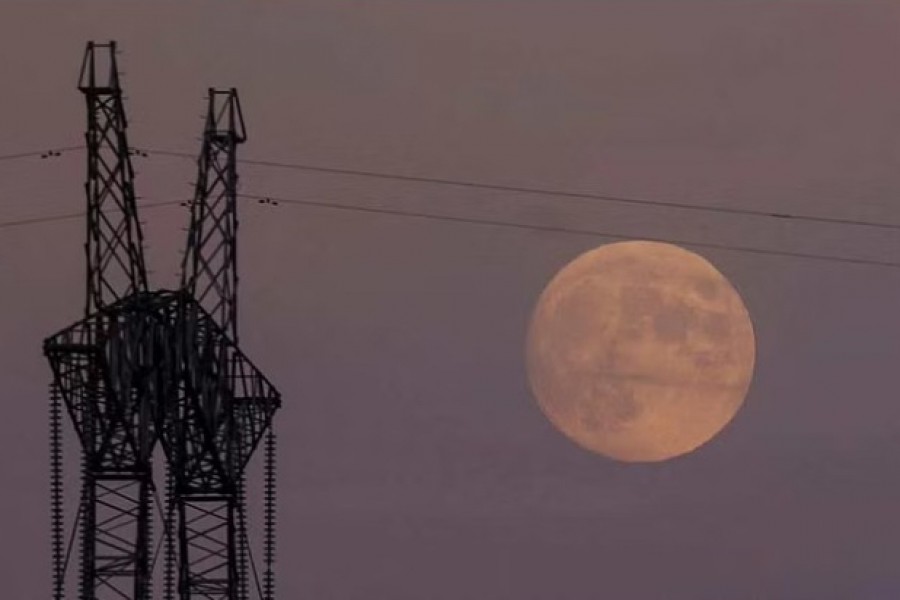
100	363
225	405
116	474
115	261
209	270
209	276
142	366
207	492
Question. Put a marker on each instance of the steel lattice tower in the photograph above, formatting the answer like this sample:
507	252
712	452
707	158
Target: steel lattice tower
209	269
146	366
115	259
225	404
100	363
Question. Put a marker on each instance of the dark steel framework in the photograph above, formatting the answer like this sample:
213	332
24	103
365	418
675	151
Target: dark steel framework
224	403
115	258
209	269
146	366
224	408
99	365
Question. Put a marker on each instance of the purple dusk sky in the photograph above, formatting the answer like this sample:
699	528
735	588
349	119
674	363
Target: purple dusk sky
414	461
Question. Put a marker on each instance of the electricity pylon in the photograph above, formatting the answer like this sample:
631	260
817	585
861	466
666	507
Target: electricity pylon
145	366
224	404
101	363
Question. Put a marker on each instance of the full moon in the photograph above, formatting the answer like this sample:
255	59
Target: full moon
640	351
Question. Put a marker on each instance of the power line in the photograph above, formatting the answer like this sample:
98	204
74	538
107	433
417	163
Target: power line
493	223
572	230
36	220
40	153
497	222
547	192
504	188
77	215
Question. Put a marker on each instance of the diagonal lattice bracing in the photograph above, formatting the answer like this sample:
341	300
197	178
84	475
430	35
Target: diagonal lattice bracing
110	370
99	364
142	366
115	261
209	270
224	406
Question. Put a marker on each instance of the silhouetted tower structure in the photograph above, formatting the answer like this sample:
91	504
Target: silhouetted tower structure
100	363
145	366
209	268
224	404
115	259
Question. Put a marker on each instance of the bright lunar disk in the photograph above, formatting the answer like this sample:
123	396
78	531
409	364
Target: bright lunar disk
640	351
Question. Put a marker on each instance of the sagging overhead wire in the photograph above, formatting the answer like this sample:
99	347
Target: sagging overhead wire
546	192
276	200
52	152
148	152
78	215
568	230
273	200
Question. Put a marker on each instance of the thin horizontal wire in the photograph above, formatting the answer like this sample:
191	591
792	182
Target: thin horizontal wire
575	231
510	188
39	152
498	223
494	223
76	215
548	192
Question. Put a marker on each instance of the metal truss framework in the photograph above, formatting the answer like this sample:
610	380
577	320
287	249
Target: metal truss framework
224	405
115	260
100	368
142	367
209	270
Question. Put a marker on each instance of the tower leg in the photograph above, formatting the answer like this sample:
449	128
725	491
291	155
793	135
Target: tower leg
115	562
208	536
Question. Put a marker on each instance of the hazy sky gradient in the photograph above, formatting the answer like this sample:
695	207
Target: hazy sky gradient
414	462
